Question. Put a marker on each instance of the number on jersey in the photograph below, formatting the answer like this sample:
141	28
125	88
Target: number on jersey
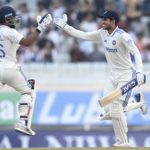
2	53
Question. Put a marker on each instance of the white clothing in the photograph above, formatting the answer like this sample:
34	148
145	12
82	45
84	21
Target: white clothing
9	43
11	73
118	47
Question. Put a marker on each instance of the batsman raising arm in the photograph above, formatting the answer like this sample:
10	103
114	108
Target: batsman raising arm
118	47
10	72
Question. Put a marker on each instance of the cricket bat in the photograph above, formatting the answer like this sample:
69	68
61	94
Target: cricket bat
119	92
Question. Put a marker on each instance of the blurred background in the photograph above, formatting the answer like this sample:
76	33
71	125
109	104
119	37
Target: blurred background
71	75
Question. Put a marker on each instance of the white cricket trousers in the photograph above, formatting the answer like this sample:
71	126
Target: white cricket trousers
12	75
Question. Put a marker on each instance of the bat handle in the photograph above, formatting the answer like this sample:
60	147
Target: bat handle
128	86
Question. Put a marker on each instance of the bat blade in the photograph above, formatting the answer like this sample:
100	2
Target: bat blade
120	91
109	98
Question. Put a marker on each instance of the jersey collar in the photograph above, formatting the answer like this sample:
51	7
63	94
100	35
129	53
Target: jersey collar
114	31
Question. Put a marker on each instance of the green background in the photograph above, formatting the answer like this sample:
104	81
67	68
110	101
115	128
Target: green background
8	107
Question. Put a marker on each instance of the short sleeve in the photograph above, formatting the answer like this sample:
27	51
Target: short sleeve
14	36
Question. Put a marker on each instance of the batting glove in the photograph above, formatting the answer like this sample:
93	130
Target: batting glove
61	22
140	78
43	22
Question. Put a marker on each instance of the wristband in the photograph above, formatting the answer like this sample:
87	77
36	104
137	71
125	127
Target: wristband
37	30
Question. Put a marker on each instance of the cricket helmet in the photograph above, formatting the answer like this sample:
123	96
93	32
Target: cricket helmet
8	16
111	15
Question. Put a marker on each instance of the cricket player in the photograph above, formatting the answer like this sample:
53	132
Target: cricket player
118	47
10	71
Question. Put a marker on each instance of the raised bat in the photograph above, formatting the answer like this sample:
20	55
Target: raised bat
119	92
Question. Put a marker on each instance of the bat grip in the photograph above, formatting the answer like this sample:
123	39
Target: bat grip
128	86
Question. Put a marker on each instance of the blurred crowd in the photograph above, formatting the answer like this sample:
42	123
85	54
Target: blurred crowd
54	45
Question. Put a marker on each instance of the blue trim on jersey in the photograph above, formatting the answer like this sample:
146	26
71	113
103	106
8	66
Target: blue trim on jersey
20	70
125	103
1	45
118	30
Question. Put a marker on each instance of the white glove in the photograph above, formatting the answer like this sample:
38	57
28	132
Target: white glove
61	22
140	78
43	22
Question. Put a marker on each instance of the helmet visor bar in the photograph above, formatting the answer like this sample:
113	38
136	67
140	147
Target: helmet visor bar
12	20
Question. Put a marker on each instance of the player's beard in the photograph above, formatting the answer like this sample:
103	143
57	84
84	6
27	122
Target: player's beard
107	27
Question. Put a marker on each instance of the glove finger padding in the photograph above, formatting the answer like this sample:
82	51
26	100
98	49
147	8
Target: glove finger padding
65	17
61	22
38	18
44	21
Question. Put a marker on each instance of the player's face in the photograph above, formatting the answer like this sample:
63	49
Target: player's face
107	23
13	21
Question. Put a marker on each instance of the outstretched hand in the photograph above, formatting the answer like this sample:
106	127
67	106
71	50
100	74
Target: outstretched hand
61	22
43	22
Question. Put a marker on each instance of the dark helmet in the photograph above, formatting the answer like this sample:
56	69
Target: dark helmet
8	16
111	15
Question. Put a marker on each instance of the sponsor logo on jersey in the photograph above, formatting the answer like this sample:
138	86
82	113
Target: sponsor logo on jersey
112	50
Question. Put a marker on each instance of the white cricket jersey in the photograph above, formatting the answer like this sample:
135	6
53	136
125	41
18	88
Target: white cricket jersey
118	46
9	43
